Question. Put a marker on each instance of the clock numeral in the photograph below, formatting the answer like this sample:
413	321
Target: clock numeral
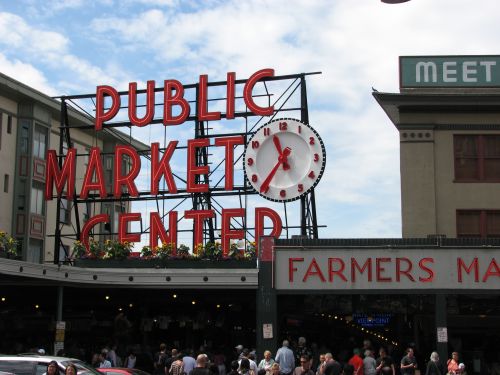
299	129
283	126
267	131
250	161
311	174
300	188
254	178
311	140
283	193
255	144
316	157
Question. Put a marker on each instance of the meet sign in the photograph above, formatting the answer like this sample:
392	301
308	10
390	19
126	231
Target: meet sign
386	268
449	71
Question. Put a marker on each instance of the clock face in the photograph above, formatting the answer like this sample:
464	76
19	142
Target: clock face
284	159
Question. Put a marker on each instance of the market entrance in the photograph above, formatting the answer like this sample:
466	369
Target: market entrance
338	323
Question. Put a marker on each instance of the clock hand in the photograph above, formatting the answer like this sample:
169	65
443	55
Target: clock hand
277	144
267	181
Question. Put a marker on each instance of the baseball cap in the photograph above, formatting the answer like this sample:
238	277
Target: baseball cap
239	347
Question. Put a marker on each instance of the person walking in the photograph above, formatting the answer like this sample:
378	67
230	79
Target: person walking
409	363
385	364
52	368
177	366
357	362
285	358
266	362
453	363
70	370
305	366
434	367
369	363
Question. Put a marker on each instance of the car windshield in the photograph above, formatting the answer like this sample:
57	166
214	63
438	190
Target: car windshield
82	367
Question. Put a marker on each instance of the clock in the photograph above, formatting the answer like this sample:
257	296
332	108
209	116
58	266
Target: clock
284	159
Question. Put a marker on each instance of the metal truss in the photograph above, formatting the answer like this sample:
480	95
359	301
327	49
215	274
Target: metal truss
290	99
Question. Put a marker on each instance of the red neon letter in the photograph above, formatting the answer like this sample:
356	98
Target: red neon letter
162	168
355	266
247	93
339	272
231	79
203	114
226	233
123	220
94	165
127	179
171	100
132	104
198	216
156	229
260	214
229	143
405	272
380	269
423	267
100	116
314	270
493	270
474	264
291	268
84	236
67	174
193	169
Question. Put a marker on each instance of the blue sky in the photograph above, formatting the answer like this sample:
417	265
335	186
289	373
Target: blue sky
71	46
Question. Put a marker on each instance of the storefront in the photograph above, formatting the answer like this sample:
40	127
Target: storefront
432	295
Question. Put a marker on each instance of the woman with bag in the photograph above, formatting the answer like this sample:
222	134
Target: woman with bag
434	367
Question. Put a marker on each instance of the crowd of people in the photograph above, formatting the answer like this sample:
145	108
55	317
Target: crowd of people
288	360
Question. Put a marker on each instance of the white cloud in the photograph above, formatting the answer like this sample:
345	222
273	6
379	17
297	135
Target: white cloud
27	74
16	33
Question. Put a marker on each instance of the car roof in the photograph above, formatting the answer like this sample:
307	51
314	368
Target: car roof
42	358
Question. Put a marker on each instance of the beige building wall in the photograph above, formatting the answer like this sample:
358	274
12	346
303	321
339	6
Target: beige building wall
418	200
7	162
430	196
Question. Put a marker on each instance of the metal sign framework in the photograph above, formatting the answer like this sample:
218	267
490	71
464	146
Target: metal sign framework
292	91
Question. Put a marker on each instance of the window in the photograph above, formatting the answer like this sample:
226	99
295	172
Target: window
21	195
86	157
9	124
86	211
6	183
37	200
40	142
63	252
477	158
24	137
478	223
65	213
1	118
66	148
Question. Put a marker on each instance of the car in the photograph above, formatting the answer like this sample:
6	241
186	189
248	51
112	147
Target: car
122	371
34	364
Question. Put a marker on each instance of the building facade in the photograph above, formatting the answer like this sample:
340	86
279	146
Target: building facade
30	124
449	148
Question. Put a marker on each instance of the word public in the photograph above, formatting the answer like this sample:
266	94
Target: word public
63	178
